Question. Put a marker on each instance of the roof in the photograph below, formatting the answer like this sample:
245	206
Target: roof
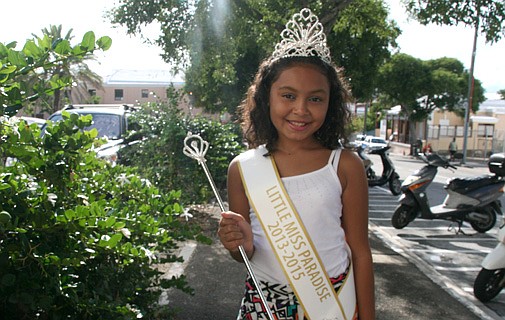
493	103
484	119
151	78
395	110
94	110
495	106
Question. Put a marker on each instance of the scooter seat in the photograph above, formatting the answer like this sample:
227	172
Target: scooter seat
461	185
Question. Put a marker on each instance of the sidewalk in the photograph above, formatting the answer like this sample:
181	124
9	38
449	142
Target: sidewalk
470	162
402	290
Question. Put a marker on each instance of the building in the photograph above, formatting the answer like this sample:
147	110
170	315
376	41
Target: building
486	130
136	86
485	134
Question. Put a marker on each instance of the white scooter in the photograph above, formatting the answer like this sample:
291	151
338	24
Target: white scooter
491	278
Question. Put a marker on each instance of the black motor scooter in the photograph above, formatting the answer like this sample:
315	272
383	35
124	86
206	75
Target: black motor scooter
473	199
389	175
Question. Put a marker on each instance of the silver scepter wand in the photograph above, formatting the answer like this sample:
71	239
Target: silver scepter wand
196	148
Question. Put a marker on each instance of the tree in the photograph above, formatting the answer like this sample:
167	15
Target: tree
485	16
422	86
220	48
362	38
163	126
447	88
78	237
488	16
361	41
502	93
19	87
74	67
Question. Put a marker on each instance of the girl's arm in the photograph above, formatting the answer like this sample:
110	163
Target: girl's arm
355	223
235	225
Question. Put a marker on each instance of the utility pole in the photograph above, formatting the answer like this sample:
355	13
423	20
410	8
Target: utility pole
470	87
364	118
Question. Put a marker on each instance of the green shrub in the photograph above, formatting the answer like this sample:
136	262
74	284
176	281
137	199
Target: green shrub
78	237
159	156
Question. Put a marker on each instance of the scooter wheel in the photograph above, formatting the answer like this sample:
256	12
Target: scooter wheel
395	185
486	221
487	284
402	216
370	174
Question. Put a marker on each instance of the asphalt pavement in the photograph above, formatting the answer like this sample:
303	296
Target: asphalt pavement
402	290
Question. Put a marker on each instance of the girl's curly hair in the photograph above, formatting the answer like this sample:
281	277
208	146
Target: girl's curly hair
254	111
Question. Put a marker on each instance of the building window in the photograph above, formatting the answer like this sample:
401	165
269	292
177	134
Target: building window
453	131
92	92
145	93
118	94
447	131
460	131
486	130
432	132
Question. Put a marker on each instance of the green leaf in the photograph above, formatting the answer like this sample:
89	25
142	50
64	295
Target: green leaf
88	41
110	222
119	225
44	42
104	43
7	69
16	58
69	214
63	47
114	240
78	51
32	50
4	186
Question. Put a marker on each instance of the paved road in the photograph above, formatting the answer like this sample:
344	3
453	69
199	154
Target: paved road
452	260
402	291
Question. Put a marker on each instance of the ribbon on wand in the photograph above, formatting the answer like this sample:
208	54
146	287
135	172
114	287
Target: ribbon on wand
196	148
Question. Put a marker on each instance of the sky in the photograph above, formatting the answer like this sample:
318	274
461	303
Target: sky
21	18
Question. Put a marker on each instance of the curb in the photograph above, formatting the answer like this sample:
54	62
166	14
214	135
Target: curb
476	307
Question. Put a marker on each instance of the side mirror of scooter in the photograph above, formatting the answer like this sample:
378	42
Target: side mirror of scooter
424	157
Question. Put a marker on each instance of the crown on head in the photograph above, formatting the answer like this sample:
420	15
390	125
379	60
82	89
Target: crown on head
303	37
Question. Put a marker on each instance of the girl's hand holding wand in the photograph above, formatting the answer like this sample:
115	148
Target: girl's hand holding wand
235	231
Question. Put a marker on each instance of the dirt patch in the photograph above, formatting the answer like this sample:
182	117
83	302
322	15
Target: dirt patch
207	218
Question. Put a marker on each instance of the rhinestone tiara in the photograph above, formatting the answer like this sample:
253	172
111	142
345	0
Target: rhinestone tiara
303	37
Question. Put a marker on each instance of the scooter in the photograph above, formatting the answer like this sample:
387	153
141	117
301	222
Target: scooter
491	278
389	175
473	199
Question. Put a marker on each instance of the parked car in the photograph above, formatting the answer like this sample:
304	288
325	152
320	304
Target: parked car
358	141
374	143
111	122
40	122
28	120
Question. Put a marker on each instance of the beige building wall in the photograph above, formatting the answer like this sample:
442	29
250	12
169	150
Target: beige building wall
442	128
486	131
131	94
139	87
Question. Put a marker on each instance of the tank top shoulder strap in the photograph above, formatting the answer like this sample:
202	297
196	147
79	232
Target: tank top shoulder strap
335	158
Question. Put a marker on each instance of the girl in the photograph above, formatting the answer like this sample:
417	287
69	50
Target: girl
294	116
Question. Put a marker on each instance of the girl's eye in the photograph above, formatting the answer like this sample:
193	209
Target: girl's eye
315	99
288	96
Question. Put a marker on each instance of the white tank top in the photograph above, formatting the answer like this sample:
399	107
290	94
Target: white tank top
317	198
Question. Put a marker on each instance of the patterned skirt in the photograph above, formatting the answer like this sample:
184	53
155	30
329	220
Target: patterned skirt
280	298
